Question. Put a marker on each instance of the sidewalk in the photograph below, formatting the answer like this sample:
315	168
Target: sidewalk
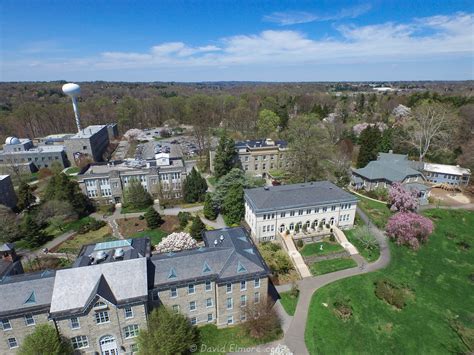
296	256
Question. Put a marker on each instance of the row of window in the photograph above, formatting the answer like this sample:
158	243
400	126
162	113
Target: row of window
229	303
344	217
210	318
82	342
269	228
29	321
307	211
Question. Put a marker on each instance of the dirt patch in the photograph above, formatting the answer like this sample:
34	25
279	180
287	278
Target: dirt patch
171	224
131	226
343	310
450	198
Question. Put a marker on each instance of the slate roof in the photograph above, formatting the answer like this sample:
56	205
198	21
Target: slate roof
233	257
285	197
119	282
260	143
26	292
446	169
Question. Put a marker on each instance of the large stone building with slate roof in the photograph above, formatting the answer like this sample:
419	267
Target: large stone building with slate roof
102	302
276	209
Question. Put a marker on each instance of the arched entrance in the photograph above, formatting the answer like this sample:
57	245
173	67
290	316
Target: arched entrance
331	221
108	345
282	228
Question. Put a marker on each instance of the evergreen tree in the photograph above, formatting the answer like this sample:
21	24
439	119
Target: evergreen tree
386	141
210	211
136	197
194	187
369	142
233	207
25	196
168	333
45	341
32	233
153	218
197	227
225	156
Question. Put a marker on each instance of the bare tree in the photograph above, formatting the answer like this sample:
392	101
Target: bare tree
261	320
429	126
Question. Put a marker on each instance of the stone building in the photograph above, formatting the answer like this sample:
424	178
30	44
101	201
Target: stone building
107	182
259	157
277	209
7	193
23	154
90	143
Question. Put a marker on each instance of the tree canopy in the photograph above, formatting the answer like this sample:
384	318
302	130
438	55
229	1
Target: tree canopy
268	122
194	187
45	341
136	197
225	156
369	141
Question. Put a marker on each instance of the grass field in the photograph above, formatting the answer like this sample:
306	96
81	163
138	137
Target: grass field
368	254
224	340
74	244
438	316
68	226
156	235
326	266
315	248
289	302
378	212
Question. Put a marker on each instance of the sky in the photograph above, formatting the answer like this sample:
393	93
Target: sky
241	40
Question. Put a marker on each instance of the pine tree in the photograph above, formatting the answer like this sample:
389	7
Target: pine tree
136	197
197	227
25	196
369	142
153	218
32	233
210	211
386	141
225	156
194	187
233	207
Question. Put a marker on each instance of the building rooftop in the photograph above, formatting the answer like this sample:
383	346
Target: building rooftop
284	197
117	282
23	292
4	177
117	250
446	169
260	143
228	254
87	132
132	166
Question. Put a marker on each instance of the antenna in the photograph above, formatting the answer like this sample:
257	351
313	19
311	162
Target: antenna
73	90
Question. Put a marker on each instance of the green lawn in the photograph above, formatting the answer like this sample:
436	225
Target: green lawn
438	316
73	170
326	266
378	212
315	248
156	235
289	302
69	226
224	340
75	244
368	254
129	209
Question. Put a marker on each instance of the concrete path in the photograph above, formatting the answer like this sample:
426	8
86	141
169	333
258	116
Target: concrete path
341	238
294	254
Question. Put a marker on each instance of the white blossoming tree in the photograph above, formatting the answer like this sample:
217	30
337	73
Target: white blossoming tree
176	242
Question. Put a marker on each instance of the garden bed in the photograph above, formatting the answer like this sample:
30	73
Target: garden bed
74	244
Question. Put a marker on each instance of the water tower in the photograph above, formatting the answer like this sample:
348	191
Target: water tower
73	90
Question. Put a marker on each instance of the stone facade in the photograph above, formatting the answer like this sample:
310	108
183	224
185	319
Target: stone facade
89	143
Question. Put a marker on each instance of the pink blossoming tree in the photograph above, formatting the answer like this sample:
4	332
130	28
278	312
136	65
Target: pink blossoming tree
176	242
402	200
408	228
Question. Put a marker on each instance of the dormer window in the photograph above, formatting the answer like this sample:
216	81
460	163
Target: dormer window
100	305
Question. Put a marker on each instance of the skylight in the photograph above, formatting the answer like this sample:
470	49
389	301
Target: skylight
32	298
172	274
113	244
206	268
241	268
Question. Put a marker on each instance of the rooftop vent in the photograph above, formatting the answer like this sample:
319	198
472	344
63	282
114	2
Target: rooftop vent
118	253
100	256
266	188
215	242
221	238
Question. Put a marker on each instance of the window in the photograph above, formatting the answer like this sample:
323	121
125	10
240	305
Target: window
230	320
209	317
75	323
134	348
131	331
229	303
29	320
256	283
100	305
128	312
292	213
325	209
173	292
6	324
333	208
79	342
257	297
300	212
308	211
175	308
12	343
243	301
191	289
192	305
243	285
229	288
102	317
243	317
282	215
193	320
209	302
208	286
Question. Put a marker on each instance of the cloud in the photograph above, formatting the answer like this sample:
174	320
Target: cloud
421	39
296	17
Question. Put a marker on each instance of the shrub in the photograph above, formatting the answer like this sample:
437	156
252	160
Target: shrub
299	243
343	309
153	218
45	340
408	228
277	259
197	227
183	218
210	210
141	217
176	242
294	292
262	321
91	226
366	239
402	200
390	293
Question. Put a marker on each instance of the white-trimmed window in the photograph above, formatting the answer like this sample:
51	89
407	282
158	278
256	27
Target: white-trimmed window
12	343
193	320
74	321
209	302
192	305
243	301
102	317
257	297
191	289
131	331
29	320
79	342
6	324
173	292
229	288
175	308
134	348
230	319
256	283
210	318
243	317
243	285
230	304
128	312
208	285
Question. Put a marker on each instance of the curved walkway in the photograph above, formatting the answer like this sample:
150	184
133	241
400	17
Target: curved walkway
294	337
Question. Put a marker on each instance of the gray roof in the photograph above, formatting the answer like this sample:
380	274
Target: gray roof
260	143
284	197
87	132
416	186
26	292
234	257
125	280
